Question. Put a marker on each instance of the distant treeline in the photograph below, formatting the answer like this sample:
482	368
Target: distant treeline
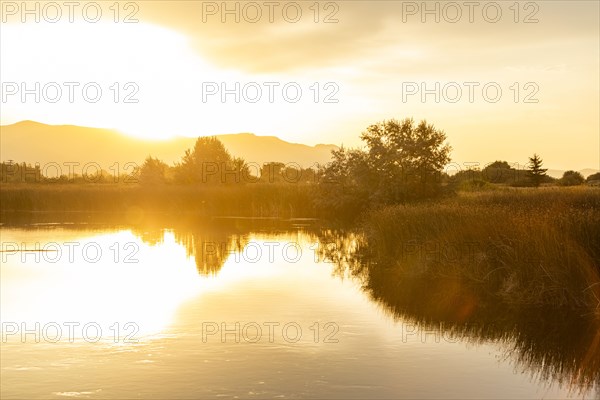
501	172
157	172
400	162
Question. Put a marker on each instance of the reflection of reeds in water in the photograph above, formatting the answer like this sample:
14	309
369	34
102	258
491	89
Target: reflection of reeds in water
550	343
520	269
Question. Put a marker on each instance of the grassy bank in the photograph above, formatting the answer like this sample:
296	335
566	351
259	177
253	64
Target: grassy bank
517	246
251	200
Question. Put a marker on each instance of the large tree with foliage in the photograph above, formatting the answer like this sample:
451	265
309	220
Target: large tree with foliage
210	163
536	173
401	161
499	172
571	178
153	172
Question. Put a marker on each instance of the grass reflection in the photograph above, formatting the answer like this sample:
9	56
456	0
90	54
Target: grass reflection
551	343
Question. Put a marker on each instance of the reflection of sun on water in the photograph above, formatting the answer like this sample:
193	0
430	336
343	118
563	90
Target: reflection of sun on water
118	278
146	292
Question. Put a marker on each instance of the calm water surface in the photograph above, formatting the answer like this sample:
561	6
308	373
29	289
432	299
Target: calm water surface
229	312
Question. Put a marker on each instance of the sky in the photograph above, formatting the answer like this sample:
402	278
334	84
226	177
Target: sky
502	79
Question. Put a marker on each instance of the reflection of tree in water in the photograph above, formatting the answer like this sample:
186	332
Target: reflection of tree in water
209	241
210	247
149	235
343	249
552	344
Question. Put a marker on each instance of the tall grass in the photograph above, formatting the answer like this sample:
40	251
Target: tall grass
250	200
520	246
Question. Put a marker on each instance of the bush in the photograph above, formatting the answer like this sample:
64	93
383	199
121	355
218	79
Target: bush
571	178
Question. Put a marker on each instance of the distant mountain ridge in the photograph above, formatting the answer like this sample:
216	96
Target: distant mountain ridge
35	142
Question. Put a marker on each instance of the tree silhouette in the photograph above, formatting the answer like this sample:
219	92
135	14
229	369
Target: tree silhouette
572	178
209	163
271	172
536	173
593	177
153	172
499	172
402	161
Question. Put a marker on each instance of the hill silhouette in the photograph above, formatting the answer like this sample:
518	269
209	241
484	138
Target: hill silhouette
33	142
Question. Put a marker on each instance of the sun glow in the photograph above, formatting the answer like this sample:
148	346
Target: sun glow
37	286
139	69
147	81
43	290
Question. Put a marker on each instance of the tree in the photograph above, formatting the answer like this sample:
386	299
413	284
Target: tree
208	162
536	173
572	178
271	172
499	172
153	172
499	165
241	172
344	183
593	178
23	172
402	161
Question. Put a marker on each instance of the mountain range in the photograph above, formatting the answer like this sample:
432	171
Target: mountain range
34	142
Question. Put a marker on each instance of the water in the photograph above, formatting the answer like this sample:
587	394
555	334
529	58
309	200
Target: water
225	309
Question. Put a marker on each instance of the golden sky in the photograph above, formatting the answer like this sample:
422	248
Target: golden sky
355	62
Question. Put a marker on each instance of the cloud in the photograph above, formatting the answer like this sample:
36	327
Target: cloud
363	26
